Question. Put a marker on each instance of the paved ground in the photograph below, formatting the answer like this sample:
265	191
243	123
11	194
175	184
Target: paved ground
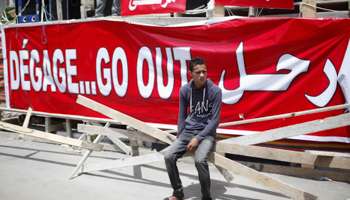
33	171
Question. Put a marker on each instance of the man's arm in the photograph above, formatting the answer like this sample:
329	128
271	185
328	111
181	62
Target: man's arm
183	104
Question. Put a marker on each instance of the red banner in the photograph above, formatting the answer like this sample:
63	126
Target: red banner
265	67
284	4
142	7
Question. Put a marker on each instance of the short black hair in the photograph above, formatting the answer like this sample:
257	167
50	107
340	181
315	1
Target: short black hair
196	61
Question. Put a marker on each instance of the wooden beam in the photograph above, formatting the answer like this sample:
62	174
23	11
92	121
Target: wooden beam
328	153
287	115
284	155
87	154
125	162
27	119
218	10
261	178
49	136
120	144
293	130
299	172
26	122
309	8
64	116
137	124
118	133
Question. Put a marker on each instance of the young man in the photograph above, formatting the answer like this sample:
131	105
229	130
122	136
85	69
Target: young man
199	116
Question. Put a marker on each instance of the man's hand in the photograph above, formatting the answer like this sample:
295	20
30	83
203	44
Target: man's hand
192	146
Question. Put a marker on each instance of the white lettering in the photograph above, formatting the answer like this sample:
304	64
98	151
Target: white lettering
58	56
105	89
165	91
34	59
14	70
263	82
119	54
48	79
71	54
183	54
145	90
24	55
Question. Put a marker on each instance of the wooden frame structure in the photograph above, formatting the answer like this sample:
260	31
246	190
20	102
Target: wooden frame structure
141	131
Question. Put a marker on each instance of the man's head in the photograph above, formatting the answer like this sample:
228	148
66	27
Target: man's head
198	72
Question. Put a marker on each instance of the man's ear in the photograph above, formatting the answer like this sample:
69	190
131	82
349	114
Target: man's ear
190	73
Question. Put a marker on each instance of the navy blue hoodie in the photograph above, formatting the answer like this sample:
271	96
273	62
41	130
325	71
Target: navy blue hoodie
200	109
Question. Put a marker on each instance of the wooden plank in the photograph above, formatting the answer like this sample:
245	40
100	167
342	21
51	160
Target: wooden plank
112	137
284	155
27	119
120	144
137	124
26	122
293	130
287	115
49	136
309	8
118	133
85	156
126	162
111	147
261	178
328	153
225	173
299	172
64	116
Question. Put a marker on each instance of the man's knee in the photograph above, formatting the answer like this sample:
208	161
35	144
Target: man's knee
168	157
200	161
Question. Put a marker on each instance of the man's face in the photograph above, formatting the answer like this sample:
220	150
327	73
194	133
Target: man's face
199	75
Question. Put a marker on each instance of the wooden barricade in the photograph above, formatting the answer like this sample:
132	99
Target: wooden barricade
141	131
229	145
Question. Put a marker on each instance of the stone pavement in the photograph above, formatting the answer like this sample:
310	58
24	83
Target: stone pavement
33	171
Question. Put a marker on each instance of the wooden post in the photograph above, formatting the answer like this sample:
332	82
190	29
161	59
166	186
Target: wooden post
47	124
135	152
309	8
69	128
59	10
218	10
26	121
252	12
83	12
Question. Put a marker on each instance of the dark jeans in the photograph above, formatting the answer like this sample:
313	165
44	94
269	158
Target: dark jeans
177	150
